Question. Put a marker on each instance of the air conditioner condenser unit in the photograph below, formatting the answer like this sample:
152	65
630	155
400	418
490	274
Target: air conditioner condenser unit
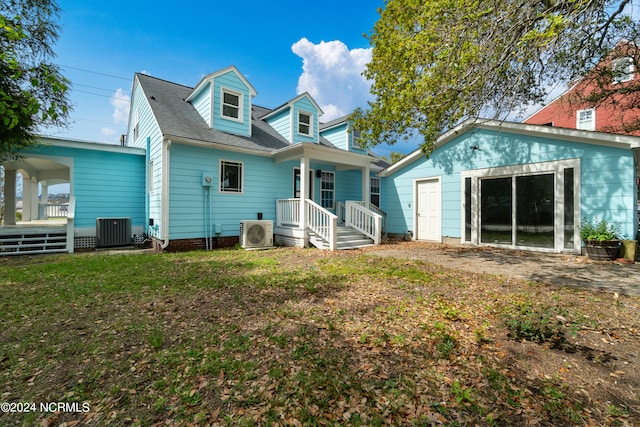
256	234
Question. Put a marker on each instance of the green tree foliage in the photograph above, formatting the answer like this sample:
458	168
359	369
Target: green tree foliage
439	62
33	92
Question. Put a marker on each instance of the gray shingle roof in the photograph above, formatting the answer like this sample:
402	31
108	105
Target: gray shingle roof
180	119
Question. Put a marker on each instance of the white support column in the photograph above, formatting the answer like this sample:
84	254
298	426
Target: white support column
34	199
44	199
304	185
366	184
9	197
26	198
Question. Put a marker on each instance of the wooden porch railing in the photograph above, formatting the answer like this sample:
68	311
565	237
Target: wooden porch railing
48	210
365	221
322	222
288	212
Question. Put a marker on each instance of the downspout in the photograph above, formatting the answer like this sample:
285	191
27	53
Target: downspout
147	202
635	149
166	151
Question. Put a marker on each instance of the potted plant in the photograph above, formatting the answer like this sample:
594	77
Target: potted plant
601	238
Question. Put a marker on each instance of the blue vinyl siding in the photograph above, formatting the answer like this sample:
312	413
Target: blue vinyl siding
104	183
202	103
281	123
337	136
607	176
305	105
263	183
148	129
232	82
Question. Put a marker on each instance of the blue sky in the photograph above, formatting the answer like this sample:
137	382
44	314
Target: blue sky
283	48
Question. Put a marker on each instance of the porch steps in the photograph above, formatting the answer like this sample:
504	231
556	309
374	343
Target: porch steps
25	242
348	238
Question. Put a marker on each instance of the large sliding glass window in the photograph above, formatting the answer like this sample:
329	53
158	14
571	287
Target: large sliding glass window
569	205
495	210
535	211
467	209
534	205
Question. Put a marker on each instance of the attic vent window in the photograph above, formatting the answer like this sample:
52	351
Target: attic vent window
231	104
304	124
586	119
623	70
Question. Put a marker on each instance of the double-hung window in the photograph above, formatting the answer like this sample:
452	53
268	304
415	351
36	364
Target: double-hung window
356	141
586	119
374	191
305	124
327	189
623	70
231	105
230	177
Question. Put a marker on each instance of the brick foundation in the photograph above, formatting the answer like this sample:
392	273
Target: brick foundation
182	245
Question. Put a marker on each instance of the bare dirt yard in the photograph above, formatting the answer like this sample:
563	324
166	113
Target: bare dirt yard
405	333
600	361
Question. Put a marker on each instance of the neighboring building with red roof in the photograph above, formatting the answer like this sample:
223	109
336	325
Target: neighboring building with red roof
585	104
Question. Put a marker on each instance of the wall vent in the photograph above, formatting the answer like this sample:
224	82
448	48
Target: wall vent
113	232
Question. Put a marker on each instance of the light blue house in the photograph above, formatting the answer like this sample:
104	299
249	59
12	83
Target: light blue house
216	161
513	185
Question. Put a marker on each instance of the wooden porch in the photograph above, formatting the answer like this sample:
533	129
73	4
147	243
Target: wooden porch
303	223
41	236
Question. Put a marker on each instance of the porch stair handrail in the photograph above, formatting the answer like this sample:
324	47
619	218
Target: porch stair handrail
364	220
377	210
322	222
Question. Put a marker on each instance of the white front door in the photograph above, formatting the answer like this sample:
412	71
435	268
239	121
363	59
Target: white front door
429	210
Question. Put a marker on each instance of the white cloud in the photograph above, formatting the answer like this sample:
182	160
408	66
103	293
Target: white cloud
106	131
332	74
120	102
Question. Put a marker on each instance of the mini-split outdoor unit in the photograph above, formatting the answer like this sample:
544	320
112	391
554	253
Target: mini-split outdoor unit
256	234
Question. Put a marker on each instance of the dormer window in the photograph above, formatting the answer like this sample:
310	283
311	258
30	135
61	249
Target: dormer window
305	125
231	105
356	139
623	70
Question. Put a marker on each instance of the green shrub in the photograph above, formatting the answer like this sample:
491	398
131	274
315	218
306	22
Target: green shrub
599	230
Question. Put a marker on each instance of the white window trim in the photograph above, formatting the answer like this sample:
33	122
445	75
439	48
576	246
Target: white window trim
220	188
240	118
592	127
333	191
306	113
555	167
629	71
354	139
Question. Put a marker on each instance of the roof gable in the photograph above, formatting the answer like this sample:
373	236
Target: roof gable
206	80
561	134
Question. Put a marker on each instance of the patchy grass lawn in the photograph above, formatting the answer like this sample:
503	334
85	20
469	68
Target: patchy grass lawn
306	337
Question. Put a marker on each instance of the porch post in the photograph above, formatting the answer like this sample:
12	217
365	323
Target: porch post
33	202
366	184
44	199
304	172
9	197
26	198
